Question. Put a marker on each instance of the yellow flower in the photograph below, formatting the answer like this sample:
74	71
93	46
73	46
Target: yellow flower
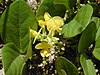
45	52
33	33
52	23
47	17
41	23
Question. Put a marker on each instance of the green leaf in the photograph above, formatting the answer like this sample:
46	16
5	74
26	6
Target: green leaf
79	23
67	3
97	21
95	8
13	0
13	62
52	9
15	22
44	6
0	1
96	51
87	66
61	71
63	65
29	51
88	37
16	0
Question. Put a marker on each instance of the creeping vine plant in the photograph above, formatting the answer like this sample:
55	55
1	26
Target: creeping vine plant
47	30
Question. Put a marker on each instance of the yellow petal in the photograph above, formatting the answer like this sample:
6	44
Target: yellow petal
33	33
47	17
58	21
43	45
55	23
50	24
41	22
45	52
51	33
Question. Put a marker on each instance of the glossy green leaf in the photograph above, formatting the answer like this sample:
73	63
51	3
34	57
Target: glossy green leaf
97	21
96	51
63	65
13	62
79	23
16	21
87	66
61	71
88	37
52	9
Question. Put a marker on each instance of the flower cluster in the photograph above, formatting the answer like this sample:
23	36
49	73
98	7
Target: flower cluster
46	34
